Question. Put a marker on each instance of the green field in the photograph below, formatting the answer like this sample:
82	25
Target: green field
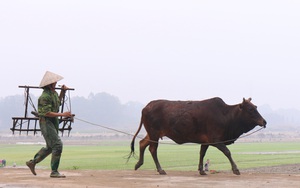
112	155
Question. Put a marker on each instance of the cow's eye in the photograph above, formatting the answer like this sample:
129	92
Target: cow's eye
251	109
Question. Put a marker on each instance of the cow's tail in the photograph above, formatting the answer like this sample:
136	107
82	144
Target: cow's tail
132	153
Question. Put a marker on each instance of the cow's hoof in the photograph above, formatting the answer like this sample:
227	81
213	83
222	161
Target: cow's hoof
162	172
236	172
202	173
138	165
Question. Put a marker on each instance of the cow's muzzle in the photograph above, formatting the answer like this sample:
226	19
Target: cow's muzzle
263	123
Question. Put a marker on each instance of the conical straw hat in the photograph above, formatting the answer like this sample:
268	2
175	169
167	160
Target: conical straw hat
50	78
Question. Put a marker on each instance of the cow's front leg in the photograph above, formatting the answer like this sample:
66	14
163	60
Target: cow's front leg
225	150
202	154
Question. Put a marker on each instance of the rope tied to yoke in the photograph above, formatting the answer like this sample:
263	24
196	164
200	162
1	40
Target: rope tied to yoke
153	141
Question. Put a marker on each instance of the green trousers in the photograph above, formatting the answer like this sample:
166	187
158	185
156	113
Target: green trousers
54	145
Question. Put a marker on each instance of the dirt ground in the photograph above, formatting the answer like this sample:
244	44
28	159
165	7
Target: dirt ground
278	176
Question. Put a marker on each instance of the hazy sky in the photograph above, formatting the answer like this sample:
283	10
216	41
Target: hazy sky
145	50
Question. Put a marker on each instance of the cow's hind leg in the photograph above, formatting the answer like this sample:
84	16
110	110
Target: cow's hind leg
143	145
225	150
153	150
202	154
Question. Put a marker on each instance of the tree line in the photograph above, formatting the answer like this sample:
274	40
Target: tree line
100	109
107	110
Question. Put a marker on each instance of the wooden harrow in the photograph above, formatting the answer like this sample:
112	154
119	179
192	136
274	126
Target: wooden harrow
30	124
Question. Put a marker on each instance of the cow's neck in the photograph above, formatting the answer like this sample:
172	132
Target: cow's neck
238	125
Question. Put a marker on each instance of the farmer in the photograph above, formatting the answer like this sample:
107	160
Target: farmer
48	112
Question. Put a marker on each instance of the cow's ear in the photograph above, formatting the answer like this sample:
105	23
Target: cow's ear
242	104
249	99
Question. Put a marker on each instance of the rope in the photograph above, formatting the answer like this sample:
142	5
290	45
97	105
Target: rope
105	127
68	98
30	100
243	136
126	133
31	103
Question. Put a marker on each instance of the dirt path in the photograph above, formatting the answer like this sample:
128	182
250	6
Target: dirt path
262	177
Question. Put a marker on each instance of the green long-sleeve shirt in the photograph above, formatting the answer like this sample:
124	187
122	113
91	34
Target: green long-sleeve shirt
48	102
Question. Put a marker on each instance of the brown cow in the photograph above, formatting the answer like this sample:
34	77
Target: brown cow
209	122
